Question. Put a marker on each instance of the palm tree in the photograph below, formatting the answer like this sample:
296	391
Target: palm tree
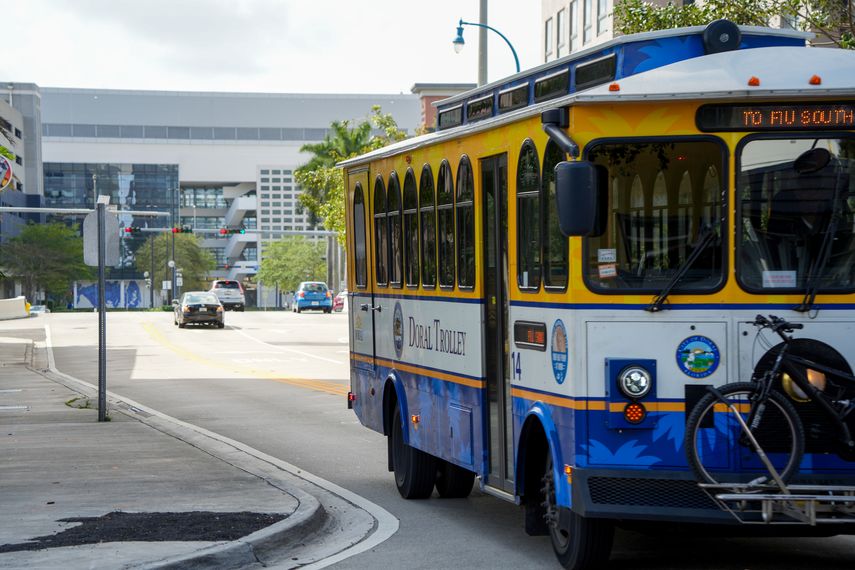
343	142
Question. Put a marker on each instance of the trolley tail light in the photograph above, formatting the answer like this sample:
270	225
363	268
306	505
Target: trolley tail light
351	397
634	413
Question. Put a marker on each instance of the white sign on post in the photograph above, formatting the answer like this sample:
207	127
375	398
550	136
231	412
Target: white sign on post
111	239
167	285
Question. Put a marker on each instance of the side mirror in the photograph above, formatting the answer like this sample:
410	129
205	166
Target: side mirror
581	191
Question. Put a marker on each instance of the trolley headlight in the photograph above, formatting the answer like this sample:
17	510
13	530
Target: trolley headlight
634	381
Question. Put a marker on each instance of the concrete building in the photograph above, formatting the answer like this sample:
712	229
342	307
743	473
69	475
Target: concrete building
430	93
569	26
215	160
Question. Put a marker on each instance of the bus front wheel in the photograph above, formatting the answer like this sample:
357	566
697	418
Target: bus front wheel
580	543
415	470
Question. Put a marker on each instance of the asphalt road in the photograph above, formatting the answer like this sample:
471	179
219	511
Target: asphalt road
277	381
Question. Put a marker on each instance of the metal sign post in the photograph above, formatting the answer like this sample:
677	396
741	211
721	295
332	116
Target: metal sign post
102	311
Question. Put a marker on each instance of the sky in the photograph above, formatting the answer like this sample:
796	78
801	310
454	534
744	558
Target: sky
274	46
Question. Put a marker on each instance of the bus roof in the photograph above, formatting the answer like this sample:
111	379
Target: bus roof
719	76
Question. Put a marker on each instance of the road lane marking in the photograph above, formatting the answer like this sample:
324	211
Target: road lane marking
316	385
285	348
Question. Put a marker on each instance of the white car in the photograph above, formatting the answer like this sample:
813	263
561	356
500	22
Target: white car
230	294
38	309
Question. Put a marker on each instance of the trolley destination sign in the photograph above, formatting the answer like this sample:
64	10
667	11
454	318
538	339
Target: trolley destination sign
771	117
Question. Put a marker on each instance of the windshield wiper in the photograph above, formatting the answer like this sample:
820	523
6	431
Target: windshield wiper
704	239
819	264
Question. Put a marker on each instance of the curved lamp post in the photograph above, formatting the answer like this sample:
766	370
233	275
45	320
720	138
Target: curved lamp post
459	43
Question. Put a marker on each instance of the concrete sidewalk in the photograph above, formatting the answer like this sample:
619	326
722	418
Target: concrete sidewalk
152	493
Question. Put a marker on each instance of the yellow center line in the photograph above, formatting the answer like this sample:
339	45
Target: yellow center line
316	385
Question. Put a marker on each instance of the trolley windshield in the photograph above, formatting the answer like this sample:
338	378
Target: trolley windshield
796	200
665	207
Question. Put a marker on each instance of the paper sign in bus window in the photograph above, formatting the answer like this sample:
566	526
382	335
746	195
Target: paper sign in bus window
779	279
607	256
607	271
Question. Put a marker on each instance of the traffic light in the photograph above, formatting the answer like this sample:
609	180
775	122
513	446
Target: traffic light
132	230
226	231
183	230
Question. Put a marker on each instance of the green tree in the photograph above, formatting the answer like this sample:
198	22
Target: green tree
291	260
45	256
323	183
832	20
194	261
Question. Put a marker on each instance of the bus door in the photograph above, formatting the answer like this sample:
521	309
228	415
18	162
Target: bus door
361	307
494	184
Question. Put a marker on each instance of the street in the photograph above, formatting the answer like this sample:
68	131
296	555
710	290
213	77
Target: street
277	381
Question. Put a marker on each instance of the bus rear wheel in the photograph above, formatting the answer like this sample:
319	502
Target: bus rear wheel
415	470
453	482
580	543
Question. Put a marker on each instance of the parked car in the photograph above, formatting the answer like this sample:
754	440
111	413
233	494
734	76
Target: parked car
340	301
314	295
200	307
230	293
38	309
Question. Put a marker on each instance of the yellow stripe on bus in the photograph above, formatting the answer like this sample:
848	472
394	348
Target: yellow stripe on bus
413	369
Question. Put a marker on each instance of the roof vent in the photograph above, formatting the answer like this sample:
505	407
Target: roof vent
721	35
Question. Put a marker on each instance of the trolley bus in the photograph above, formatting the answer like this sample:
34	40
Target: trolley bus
543	288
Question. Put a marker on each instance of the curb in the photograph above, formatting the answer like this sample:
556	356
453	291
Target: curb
265	545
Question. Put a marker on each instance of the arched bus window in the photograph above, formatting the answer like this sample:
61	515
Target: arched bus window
465	225
411	230
360	252
381	234
427	210
555	244
528	218
396	236
445	223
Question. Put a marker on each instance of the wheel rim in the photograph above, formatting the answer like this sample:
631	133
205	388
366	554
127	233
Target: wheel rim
560	537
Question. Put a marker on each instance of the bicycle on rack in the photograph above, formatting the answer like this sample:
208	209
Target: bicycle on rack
749	434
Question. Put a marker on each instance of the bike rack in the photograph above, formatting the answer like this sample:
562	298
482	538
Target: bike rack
794	504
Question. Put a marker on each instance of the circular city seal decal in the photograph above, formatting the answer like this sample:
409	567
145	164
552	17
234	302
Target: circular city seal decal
398	329
697	356
559	351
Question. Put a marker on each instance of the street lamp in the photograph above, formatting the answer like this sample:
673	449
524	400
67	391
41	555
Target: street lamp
459	42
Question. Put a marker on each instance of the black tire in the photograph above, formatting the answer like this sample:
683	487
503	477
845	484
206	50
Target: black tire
182	325
582	543
298	310
780	434
415	470
221	325
452	481
240	310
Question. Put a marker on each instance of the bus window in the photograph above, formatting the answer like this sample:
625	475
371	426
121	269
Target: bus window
658	195
411	231
381	233
528	218
789	192
396	238
427	209
555	245
359	237
465	225
445	215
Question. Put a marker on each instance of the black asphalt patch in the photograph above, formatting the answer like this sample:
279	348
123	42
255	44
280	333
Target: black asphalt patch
151	527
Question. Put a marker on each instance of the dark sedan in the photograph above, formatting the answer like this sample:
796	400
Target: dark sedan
199	307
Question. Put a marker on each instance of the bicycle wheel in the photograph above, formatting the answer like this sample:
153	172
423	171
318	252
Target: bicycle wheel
719	451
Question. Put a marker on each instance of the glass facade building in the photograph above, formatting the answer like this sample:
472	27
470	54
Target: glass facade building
138	187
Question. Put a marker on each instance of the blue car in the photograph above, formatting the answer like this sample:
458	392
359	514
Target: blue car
313	295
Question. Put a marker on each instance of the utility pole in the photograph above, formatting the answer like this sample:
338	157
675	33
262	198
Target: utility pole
482	44
152	281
